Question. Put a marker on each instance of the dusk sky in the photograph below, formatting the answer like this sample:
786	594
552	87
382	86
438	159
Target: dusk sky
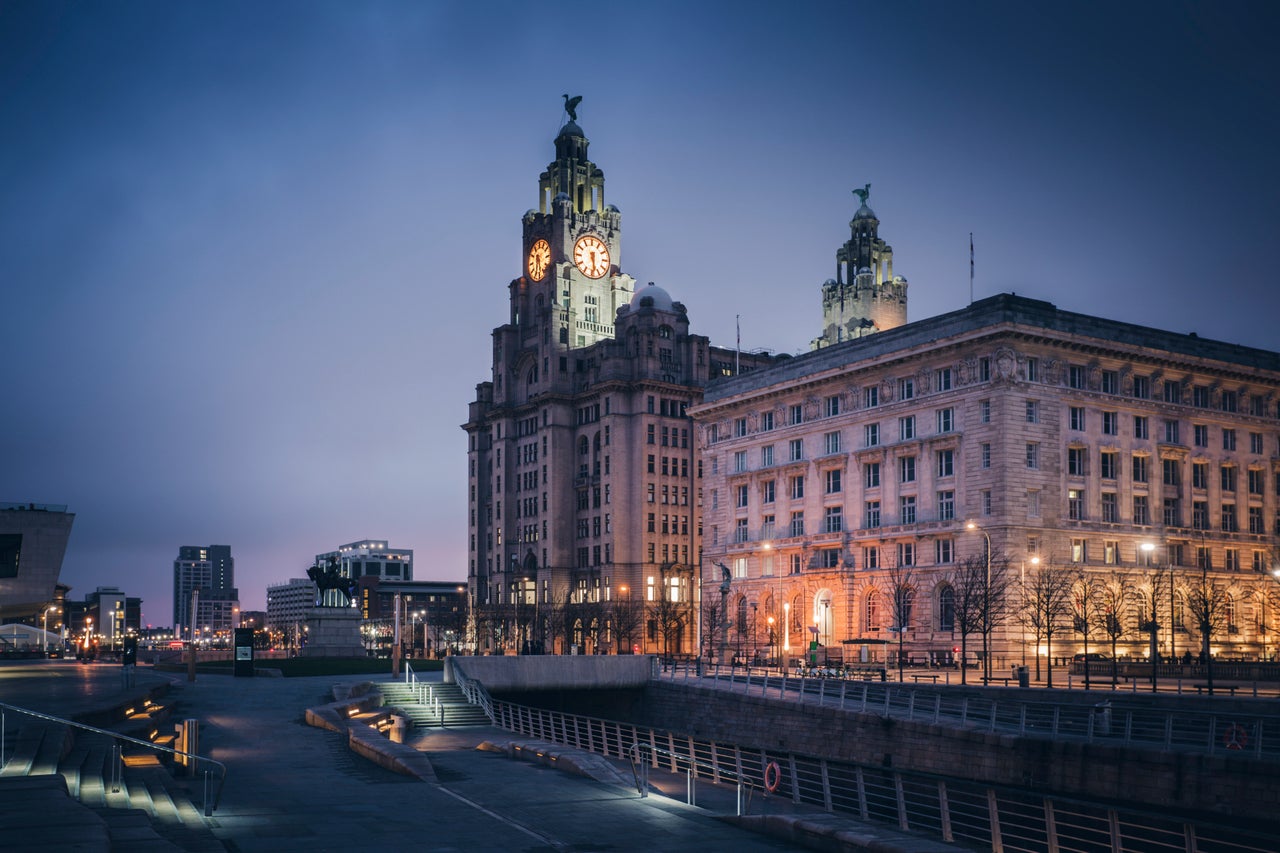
252	253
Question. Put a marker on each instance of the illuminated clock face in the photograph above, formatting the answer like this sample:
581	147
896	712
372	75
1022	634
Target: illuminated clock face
539	258
592	256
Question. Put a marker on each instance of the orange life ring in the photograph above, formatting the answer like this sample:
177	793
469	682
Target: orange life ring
772	776
1235	737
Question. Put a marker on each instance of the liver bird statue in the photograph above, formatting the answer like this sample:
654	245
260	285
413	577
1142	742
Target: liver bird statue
571	106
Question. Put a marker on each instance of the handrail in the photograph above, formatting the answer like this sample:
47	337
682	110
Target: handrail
473	690
693	763
209	805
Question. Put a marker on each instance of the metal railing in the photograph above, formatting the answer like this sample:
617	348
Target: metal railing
211	795
473	690
423	692
1118	719
955	810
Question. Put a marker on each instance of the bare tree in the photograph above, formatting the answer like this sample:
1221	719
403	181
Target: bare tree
1151	590
628	620
969	583
1267	597
1048	604
1209	603
902	598
1115	594
1084	610
995	603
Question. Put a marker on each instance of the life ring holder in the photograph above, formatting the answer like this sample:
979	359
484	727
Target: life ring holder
1235	737
772	776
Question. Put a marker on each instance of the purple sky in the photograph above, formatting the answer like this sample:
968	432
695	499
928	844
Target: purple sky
251	253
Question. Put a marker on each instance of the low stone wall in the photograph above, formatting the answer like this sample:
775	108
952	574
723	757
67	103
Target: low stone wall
1185	782
553	672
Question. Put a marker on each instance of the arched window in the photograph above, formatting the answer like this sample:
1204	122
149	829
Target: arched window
664	331
742	614
797	619
873	610
1229	611
584	446
904	604
946	609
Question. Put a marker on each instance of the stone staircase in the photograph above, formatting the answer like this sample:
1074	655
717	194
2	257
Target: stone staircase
56	791
455	710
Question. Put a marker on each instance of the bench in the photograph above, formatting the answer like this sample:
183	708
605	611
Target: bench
1229	689
1005	679
932	677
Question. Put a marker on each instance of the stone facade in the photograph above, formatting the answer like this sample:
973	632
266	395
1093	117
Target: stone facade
1068	440
582	470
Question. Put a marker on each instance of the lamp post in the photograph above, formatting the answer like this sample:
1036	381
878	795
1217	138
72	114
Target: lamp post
773	642
45	638
1153	627
986	603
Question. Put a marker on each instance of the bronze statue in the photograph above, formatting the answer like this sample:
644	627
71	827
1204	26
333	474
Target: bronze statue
571	106
330	577
863	193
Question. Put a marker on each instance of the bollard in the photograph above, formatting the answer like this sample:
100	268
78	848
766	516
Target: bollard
397	728
189	737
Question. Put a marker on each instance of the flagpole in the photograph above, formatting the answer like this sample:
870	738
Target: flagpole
970	267
737	353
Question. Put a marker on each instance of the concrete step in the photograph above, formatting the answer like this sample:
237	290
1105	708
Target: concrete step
37	813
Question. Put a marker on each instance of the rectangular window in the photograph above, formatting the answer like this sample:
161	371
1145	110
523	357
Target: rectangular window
1200	515
766	421
1200	435
797	487
1171	432
984	369
766	456
1256	524
1033	411
1079	551
829	558
1033	455
1076	461
1075	504
1229	523
833	484
739	427
796	448
1077	418
742	496
1228	477
797	414
1200	396
871	516
907	469
1033	503
1033	370
985	498
1172	512
1172	392
871	557
1257	481
1232	563
739	461
1255	442
907	509
871	397
906	389
942	379
1141	510
907	428
1111	552
946	506
906	554
1110	511
1199	475
871	432
1140	469
1076	376
946	420
1110	382
986	455
946	463
1171	473
768	491
797	524
984	411
1228	439
1110	464
944	551
1141	388
1110	423
833	406
833	519
740	532
871	475
1141	427
831	442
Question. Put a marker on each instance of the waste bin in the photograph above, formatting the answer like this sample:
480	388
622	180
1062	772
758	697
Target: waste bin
1102	719
1024	677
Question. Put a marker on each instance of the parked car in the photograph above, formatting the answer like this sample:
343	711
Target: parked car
1092	656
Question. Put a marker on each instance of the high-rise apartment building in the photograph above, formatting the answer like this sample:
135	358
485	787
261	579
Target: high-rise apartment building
210	569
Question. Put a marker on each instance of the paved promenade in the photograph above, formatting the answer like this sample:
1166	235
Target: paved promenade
291	786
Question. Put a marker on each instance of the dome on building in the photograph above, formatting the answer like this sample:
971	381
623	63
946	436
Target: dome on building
570	129
865	212
656	296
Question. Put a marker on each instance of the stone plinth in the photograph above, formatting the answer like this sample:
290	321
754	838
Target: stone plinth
333	632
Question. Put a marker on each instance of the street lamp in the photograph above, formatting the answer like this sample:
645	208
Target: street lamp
773	641
1149	548
45	638
986	603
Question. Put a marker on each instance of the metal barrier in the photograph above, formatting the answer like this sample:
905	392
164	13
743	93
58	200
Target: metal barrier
1116	720
211	797
423	693
955	810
